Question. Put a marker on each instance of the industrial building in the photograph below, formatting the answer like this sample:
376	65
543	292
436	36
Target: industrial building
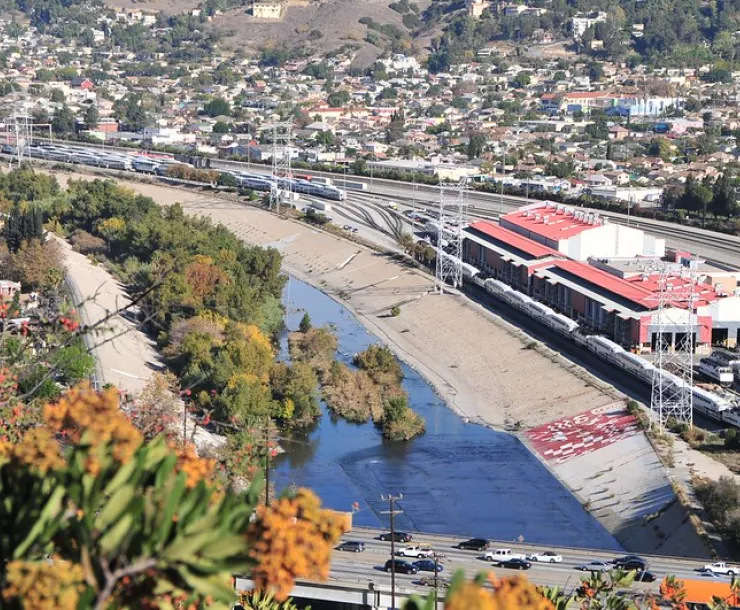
605	276
579	234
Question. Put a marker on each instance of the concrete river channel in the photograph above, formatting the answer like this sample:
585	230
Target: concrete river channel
458	478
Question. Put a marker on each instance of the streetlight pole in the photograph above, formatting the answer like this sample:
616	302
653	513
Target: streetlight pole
391	499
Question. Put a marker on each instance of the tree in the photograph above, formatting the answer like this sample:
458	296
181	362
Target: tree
38	265
724	201
338	98
63	121
305	324
91	117
325	138
595	71
476	145
522	80
57	96
217	107
221	127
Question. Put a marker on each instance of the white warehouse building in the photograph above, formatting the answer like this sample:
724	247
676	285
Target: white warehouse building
579	234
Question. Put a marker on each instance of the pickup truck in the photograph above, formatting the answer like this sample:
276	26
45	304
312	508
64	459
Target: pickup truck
503	555
722	568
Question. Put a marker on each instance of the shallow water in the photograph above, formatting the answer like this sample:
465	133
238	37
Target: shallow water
458	478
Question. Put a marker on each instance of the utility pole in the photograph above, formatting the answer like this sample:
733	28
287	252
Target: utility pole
267	465
391	499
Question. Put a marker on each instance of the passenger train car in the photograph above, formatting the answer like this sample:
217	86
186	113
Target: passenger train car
709	404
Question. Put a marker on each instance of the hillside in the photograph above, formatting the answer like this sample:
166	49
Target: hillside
312	28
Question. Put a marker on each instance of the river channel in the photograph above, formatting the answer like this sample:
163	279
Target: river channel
458	478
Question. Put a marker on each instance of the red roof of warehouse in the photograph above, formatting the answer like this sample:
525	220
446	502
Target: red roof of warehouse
559	224
625	289
639	291
512	239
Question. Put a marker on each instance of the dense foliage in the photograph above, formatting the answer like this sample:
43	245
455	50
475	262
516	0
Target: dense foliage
110	521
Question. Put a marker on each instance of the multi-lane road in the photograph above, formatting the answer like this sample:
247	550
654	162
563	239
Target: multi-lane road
367	566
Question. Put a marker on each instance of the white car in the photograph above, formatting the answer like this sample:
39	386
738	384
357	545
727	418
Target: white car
545	557
595	566
416	551
721	568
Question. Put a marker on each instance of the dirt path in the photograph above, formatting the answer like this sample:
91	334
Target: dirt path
126	357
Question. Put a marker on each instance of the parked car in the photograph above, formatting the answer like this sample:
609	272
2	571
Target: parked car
595	566
397	537
645	576
545	557
429	565
416	550
352	546
474	544
514	564
400	566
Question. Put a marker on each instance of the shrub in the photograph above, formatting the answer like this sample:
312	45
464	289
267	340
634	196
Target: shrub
719	498
87	243
395	311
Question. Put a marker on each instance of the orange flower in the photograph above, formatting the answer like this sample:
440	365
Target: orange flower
97	417
195	468
43	585
292	538
37	450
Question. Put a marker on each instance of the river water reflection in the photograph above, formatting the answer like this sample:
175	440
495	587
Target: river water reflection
458	478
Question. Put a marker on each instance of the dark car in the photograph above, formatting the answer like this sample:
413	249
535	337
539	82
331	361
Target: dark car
645	576
397	537
632	564
352	546
515	564
474	544
428	565
400	566
628	559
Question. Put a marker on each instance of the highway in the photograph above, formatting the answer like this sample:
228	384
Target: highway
367	566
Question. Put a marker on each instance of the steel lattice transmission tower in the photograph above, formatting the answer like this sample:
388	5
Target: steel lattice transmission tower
282	136
453	216
19	133
675	322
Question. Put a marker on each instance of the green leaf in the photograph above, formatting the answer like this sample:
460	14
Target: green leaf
115	507
225	547
50	515
165	522
216	586
184	548
112	539
122	476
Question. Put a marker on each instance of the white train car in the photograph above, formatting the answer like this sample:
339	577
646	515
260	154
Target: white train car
716	371
639	367
518	299
731	417
709	404
561	323
497	287
604	348
539	311
480	281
